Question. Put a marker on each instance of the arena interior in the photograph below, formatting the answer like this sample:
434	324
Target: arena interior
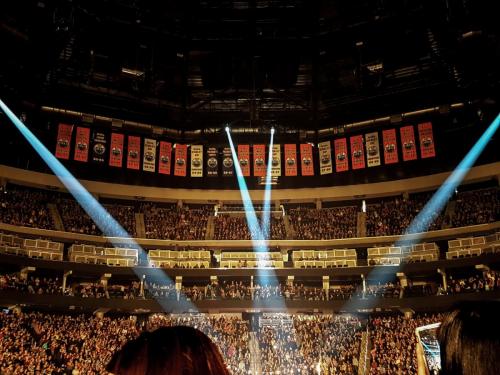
305	181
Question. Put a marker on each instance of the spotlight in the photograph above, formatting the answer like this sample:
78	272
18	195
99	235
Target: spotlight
272	130
227	129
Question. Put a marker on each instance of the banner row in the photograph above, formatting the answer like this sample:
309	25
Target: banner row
356	152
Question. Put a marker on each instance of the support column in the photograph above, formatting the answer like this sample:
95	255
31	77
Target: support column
104	280
23	274
65	279
289	280
277	205
319	204
251	287
141	287
213	280
178	286
179	204
326	286
403	281
363	279
444	280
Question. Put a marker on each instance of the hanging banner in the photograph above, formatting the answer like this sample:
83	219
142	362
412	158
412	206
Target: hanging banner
149	158
426	137
341	159
99	143
63	145
212	162
116	150
390	146
357	152
134	152
325	157
227	162
197	161
180	160
259	160
290	160
165	157
408	143
276	161
244	159
306	159
82	144
372	149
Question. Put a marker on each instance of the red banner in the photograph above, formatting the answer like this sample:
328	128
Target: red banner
290	160
165	157
306	156
390	146
244	159
426	138
116	150
134	152
63	145
82	144
341	159
357	152
180	160
259	160
408	143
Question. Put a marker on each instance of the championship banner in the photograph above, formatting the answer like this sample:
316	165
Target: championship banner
290	160
408	143
197	161
426	138
180	160
99	143
116	150
149	158
341	159
357	152
276	161
306	158
390	146
259	160
325	157
63	145
82	144
244	159
134	152
165	157
227	162
372	149
212	162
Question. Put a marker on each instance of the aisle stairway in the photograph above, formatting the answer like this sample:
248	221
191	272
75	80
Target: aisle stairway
361	224
140	226
56	218
253	344
290	232
450	213
209	234
364	355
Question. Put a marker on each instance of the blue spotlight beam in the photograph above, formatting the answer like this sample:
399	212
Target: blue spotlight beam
108	225
435	205
266	215
253	223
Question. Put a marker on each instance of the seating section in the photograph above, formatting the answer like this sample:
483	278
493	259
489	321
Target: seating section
477	207
179	259
236	228
395	255
230	259
473	246
324	258
32	248
109	256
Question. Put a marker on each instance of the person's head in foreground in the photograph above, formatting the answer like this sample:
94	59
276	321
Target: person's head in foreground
469	339
169	350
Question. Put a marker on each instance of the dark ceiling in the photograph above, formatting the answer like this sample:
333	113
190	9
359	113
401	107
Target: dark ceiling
192	64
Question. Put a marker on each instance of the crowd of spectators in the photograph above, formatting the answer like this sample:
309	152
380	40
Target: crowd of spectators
311	345
125	216
75	219
30	284
36	343
236	228
24	207
325	223
481	282
175	223
393	216
477	207
393	343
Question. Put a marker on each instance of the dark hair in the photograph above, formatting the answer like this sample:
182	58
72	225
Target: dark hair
469	339
169	350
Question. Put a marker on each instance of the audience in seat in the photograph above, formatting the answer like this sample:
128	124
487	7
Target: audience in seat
477	207
325	223
477	282
236	228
